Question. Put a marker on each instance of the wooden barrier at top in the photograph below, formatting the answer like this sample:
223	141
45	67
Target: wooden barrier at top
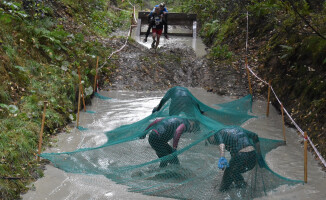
173	19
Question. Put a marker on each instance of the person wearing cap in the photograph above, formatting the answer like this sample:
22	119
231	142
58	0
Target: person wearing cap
163	11
245	153
162	130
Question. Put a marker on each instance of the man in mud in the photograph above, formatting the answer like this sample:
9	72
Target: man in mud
181	101
245	153
157	27
164	13
163	130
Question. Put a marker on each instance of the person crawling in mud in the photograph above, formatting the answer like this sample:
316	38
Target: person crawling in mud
245	153
162	130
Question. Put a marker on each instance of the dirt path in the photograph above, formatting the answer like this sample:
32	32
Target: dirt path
139	68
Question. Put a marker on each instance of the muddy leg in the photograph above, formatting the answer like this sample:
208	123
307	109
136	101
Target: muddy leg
158	40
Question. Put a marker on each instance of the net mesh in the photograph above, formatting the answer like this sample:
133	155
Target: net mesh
174	152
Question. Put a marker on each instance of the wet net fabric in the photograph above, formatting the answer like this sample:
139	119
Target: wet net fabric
98	95
141	155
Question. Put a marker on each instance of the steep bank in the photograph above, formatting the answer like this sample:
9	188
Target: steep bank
286	44
139	68
42	44
40	56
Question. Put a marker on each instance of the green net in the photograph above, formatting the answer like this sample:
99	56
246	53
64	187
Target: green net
175	152
98	95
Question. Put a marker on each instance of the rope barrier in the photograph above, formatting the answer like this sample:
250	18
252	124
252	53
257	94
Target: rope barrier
286	112
122	47
292	120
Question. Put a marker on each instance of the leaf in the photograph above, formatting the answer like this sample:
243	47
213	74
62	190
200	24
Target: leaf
286	47
13	109
89	90
3	106
20	68
5	18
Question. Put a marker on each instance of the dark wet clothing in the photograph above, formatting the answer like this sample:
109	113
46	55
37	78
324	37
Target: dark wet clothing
163	131
181	101
236	139
164	21
157	21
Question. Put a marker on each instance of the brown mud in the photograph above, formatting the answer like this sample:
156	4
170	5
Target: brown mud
140	68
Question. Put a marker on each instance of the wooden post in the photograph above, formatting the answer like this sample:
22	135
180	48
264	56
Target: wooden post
134	16
268	98
131	22
96	75
282	109
248	73
305	157
41	132
79	93
82	93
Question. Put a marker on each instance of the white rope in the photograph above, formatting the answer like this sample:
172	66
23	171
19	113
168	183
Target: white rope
108	58
292	120
256	75
135	20
122	47
317	152
247	33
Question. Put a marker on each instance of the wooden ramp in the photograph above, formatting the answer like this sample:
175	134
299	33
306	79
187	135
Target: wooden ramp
173	19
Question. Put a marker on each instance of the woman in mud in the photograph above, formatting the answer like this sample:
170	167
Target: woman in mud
163	130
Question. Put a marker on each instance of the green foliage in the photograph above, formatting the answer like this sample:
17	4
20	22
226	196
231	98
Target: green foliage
10	11
17	149
10	109
287	51
314	47
261	9
39	59
215	32
4	96
221	52
10	51
209	30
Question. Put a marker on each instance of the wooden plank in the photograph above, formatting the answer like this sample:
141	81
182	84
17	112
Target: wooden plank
173	18
173	34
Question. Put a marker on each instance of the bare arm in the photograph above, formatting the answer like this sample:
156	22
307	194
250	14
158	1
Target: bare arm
154	122
177	135
162	102
222	149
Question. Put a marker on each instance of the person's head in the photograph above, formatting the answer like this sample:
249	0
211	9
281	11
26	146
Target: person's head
162	5
214	139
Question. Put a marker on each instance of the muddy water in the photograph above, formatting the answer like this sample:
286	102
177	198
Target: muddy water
127	107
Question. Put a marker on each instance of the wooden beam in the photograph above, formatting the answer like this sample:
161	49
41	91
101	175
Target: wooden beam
173	18
175	34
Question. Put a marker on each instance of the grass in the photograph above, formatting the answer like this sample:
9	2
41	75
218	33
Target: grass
41	48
